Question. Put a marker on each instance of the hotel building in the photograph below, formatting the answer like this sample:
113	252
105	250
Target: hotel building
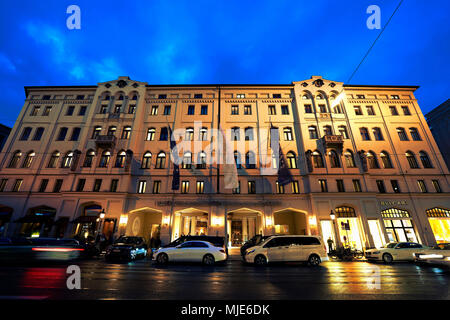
362	152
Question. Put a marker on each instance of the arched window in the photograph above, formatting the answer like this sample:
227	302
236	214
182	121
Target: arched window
343	131
237	159
161	161
28	159
15	159
201	160
305	97
96	132
349	159
54	158
146	160
164	135
288	134
104	159
426	162
203	135
189	134
151	134
345	212
377	134
372	160
317	159
235	134
112	131
187	160
313	132
411	157
327	130
126	132
291	160
364	134
120	159
250	160
415	134
334	159
402	134
249	134
386	160
89	159
319	96
67	160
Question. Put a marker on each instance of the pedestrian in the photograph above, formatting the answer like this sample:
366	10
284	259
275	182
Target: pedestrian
330	244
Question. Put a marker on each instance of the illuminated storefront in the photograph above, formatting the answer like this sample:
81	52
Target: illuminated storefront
439	219
349	229
399	225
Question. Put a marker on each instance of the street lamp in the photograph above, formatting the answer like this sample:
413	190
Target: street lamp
100	220
332	215
333	218
102	214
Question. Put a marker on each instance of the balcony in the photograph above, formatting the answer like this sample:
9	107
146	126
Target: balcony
333	141
105	141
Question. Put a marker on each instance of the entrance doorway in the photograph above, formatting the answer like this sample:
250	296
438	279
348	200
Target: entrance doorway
439	219
242	225
349	229
375	232
290	221
145	222
328	233
190	221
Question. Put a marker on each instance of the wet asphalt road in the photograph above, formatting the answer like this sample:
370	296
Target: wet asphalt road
232	280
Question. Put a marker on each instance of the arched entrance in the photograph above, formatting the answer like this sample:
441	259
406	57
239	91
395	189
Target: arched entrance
190	221
145	222
349	227
242	225
290	221
85	225
37	222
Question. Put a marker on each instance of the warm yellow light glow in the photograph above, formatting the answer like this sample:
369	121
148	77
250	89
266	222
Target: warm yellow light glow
216	221
102	215
313	221
441	229
123	219
269	221
166	220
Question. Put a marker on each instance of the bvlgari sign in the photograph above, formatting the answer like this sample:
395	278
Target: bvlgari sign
393	203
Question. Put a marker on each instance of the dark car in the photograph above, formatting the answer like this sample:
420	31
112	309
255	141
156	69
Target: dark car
252	242
127	248
215	240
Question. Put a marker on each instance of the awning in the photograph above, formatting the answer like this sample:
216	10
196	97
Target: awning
85	219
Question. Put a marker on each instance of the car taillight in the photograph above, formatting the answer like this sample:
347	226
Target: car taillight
57	249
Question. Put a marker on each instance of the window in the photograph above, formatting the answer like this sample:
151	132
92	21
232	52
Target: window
46	97
426	162
201	160
161	161
295	187
247	109
235	134
360	96
380	185
151	134
146	160
340	185
436	185
323	185
349	159
415	134
395	186
372	160
3	184
422	186
356	185
156	186
80	185
334	159
89	159
204	110
75	134
308	108
191	110
96	132
237	160
187	161
395	97
154	111
337	109
70	110
167	110
112	131
235	109
358	110
317	159
25	134
386	160
17	185
104	159
57	186
15	159
276	96
343	132
120	159
327	130
313	132
97	185
103	109
198	96
238	189
393	110
164	134
80	97
28	159
35	111
240	95
251	187
162	96
412	161
203	134
67	160
322	108
284	109
250	160
132	109
377	134
272	110
43	186
291	160
370	111
126	133
53	162
200	187
82	111
406	111
364	134
185	187
142	186
279	187
305	97
38	134
189	134
113	186
120	97
287	134
47	111
402	134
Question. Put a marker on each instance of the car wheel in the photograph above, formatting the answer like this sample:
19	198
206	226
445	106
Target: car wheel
387	258
260	260
314	260
208	260
162	258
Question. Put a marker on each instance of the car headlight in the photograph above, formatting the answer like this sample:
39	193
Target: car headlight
250	251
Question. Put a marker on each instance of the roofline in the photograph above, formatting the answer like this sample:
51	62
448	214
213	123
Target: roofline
379	86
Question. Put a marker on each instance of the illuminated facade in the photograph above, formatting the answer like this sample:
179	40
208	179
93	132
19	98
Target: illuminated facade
363	152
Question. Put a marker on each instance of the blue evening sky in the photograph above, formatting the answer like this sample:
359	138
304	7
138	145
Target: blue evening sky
184	42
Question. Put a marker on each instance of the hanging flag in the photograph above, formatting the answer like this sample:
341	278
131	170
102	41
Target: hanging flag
283	173
228	164
176	167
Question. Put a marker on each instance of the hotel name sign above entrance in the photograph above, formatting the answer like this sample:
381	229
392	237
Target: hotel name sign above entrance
393	203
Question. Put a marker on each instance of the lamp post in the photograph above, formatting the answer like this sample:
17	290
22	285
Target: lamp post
100	222
333	218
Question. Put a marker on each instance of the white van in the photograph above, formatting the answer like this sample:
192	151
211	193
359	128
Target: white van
310	249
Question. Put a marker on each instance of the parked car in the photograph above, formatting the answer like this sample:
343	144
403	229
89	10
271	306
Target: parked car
309	249
438	255
395	251
252	242
191	251
127	248
215	240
